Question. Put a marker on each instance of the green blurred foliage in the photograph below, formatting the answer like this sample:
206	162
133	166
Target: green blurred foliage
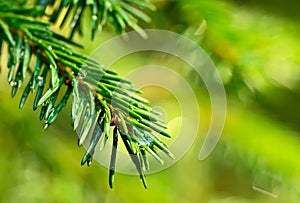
255	46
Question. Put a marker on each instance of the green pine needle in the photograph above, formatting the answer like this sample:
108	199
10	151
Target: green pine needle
118	14
101	100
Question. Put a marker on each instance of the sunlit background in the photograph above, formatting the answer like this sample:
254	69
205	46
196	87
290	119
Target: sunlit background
255	46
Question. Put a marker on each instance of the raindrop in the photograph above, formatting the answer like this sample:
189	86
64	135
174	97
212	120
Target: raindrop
94	17
108	5
40	80
83	73
13	83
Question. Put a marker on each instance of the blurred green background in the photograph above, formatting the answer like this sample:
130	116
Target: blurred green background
255	46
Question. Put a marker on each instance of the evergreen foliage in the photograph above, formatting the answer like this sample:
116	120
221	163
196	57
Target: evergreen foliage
102	102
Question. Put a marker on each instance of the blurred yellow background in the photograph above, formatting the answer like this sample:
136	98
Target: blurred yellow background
255	46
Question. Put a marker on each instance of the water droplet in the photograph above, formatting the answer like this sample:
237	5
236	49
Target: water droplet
13	83
40	80
50	48
94	17
108	5
89	162
83	73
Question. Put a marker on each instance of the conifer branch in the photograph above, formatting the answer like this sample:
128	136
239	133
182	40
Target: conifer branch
119	14
101	100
